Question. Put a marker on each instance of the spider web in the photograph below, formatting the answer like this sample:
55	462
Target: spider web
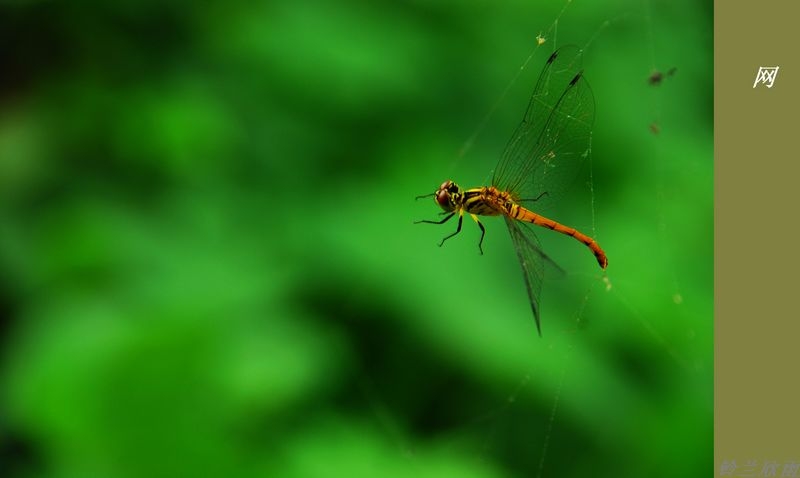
599	285
549	39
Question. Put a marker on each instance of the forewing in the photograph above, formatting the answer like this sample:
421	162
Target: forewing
533	262
548	149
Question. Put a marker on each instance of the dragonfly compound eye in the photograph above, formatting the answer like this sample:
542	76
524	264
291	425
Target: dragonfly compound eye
443	198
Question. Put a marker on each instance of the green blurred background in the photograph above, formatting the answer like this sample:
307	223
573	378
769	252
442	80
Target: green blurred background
210	267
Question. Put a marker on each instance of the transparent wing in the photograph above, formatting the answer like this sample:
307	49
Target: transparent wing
532	260
548	149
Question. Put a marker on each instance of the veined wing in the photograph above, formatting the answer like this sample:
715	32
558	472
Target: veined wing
549	147
532	260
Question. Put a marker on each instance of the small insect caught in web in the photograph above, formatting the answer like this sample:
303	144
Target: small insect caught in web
657	76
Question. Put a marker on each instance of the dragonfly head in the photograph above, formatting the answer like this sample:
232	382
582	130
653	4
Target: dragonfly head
447	195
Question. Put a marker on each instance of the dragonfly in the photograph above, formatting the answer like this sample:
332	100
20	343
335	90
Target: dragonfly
541	159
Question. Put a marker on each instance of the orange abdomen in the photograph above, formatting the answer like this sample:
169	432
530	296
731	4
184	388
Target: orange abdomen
522	214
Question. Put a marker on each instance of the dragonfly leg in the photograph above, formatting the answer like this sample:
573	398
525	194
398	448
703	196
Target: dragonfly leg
447	218
458	229
540	196
437	222
483	232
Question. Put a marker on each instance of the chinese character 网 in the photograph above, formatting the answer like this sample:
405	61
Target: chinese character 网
766	75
